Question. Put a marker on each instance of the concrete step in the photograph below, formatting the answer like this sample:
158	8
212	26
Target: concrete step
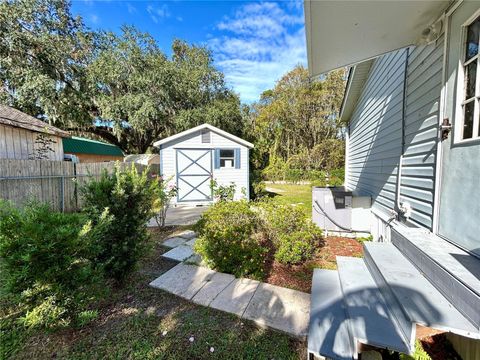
451	270
370	321
406	289
328	335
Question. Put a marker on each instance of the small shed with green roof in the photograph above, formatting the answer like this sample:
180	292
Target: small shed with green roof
88	150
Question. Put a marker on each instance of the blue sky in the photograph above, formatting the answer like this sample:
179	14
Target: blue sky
253	43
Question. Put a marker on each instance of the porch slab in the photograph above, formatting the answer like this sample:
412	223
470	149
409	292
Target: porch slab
183	280
236	296
283	309
174	242
208	293
179	253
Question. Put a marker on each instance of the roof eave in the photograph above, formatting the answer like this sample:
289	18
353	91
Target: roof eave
201	127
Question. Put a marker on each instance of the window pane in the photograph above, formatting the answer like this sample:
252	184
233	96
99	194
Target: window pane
470	79
468	120
473	32
226	153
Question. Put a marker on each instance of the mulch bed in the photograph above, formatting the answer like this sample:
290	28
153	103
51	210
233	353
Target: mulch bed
299	277
438	347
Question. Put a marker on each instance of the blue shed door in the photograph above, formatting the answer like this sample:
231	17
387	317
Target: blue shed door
459	207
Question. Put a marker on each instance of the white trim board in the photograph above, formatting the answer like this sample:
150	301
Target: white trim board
202	127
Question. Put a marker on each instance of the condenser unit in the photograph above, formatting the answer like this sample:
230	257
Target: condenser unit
336	209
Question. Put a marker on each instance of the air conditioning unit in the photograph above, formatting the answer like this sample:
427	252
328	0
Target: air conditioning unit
338	210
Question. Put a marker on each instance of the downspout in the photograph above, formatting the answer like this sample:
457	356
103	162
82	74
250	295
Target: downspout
403	208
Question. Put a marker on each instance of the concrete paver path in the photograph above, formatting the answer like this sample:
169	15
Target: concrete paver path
179	253
268	305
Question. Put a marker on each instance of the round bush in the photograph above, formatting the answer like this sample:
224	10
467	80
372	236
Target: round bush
298	246
226	239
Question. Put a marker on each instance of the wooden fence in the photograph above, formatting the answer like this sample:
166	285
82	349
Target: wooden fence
55	182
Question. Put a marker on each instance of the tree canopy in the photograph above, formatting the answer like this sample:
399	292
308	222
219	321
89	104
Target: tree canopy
297	121
120	87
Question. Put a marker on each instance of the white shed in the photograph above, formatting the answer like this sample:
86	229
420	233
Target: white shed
192	158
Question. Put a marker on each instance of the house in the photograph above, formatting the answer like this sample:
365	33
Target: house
25	137
89	151
412	105
193	158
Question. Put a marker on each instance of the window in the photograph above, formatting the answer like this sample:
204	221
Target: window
227	158
471	83
205	136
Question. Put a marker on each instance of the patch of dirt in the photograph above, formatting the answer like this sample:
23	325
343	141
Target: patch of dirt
438	347
299	277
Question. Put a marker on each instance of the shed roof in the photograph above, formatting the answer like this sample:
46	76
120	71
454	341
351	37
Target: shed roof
79	145
201	127
13	117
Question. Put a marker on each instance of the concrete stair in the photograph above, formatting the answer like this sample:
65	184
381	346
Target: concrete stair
379	300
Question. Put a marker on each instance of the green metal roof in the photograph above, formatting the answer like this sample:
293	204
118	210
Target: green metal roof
86	146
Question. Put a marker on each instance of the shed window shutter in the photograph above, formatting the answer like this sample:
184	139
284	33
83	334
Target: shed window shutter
237	158
217	159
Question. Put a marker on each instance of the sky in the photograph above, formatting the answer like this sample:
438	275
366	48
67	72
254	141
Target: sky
253	43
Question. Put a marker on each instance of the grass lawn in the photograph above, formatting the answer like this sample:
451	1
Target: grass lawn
139	322
300	195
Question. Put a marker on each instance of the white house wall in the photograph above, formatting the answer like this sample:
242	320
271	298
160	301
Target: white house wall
222	176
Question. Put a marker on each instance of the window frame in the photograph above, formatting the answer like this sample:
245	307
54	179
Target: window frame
462	88
220	157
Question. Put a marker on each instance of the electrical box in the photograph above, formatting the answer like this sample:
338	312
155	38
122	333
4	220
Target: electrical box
337	209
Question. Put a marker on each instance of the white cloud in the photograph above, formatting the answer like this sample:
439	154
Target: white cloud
131	9
258	44
94	18
157	13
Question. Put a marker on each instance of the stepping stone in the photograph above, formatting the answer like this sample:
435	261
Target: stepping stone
210	291
191	242
179	253
283	309
174	242
188	234
195	259
236	296
183	280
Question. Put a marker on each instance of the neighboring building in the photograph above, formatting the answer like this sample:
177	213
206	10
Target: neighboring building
89	151
24	137
152	160
193	158
413	146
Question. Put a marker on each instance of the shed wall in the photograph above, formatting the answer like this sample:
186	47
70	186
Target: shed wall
18	143
222	176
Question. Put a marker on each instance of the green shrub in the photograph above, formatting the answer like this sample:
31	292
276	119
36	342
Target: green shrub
227	240
293	235
46	263
223	192
127	198
296	247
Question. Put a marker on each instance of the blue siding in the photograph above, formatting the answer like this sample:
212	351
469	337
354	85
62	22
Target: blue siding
424	84
375	140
